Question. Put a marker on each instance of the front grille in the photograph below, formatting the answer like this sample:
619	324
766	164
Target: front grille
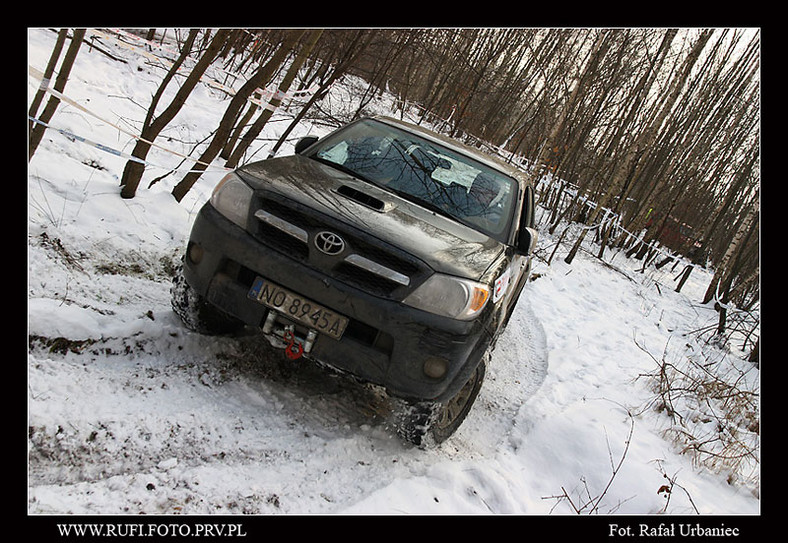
282	241
366	263
367	281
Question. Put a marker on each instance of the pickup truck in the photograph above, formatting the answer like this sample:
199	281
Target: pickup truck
382	250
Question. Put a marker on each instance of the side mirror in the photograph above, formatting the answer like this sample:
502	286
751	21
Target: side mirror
303	143
527	242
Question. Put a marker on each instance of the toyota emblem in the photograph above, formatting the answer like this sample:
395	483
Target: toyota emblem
329	243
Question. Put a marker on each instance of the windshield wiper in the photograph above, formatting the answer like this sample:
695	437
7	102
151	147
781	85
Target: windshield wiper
423	203
344	169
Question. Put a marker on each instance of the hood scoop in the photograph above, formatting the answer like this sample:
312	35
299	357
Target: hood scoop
364	199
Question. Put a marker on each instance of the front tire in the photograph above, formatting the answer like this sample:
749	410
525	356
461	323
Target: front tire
426	424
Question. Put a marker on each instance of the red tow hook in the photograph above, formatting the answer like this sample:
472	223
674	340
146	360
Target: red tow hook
294	349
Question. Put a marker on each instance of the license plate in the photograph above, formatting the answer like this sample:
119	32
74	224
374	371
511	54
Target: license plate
298	308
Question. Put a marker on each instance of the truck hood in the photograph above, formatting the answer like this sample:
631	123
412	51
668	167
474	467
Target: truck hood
443	244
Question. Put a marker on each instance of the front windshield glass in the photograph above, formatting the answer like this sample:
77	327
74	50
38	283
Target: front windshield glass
433	176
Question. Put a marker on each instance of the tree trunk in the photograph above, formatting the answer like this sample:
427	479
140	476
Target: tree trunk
598	51
724	274
48	71
37	132
354	49
152	127
284	86
258	79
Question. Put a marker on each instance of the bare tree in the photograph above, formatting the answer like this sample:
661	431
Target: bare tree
275	101
347	55
37	130
720	284
153	125
259	78
646	138
598	50
62	35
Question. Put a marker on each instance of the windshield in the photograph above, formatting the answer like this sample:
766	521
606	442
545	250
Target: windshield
424	172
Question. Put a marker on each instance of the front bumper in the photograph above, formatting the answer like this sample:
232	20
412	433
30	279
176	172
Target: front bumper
386	342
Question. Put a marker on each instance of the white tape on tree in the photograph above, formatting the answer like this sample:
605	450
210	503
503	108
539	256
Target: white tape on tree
38	75
103	147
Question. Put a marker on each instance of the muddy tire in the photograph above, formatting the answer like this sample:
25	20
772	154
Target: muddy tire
196	313
427	424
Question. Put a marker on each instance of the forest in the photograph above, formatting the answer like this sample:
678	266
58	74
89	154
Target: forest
648	138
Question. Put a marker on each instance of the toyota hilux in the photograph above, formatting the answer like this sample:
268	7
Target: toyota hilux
382	250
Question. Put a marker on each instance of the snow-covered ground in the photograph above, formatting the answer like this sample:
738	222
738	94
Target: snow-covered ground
129	413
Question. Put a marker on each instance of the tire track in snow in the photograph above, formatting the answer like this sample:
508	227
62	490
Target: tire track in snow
517	370
198	400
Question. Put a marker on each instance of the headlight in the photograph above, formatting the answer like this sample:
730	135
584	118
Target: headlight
232	198
450	296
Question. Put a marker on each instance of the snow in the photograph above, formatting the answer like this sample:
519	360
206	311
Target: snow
130	413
